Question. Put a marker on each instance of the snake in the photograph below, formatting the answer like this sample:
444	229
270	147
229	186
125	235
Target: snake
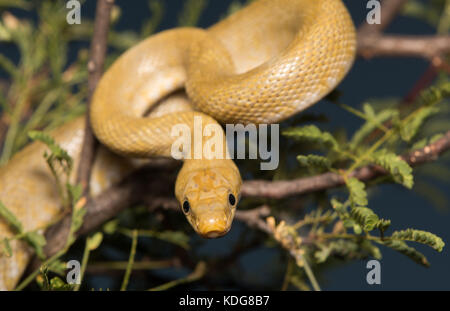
261	65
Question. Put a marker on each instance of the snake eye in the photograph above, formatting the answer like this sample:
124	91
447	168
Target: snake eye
186	207
232	199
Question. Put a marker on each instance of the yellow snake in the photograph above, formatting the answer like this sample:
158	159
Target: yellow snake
262	64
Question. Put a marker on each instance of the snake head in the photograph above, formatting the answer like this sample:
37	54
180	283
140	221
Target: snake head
209	196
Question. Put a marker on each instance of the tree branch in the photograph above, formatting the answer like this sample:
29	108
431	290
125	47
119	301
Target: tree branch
409	46
281	189
373	43
95	68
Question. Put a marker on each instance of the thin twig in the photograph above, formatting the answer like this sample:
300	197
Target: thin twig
84	262
126	278
309	273
198	273
254	217
100	267
405	46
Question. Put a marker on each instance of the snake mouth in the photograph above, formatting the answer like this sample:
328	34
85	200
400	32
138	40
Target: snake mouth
213	220
214	230
213	234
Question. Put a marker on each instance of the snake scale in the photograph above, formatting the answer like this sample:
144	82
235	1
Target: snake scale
261	65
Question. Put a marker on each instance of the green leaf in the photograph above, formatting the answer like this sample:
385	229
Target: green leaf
351	224
396	166
59	153
383	224
348	223
338	207
10	218
373	121
111	226
371	249
7	250
94	241
419	144
57	284
358	194
75	192
435	94
406	250
37	241
57	266
77	218
365	217
312	133
42	278
409	130
323	253
357	229
425	141
315	161
436	137
420	236
348	249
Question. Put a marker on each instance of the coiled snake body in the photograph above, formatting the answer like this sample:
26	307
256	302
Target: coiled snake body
263	64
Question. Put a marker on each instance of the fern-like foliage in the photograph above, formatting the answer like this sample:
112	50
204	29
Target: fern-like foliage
34	238
419	236
406	250
56	152
59	158
365	217
312	133
409	130
315	161
358	194
400	171
374	120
